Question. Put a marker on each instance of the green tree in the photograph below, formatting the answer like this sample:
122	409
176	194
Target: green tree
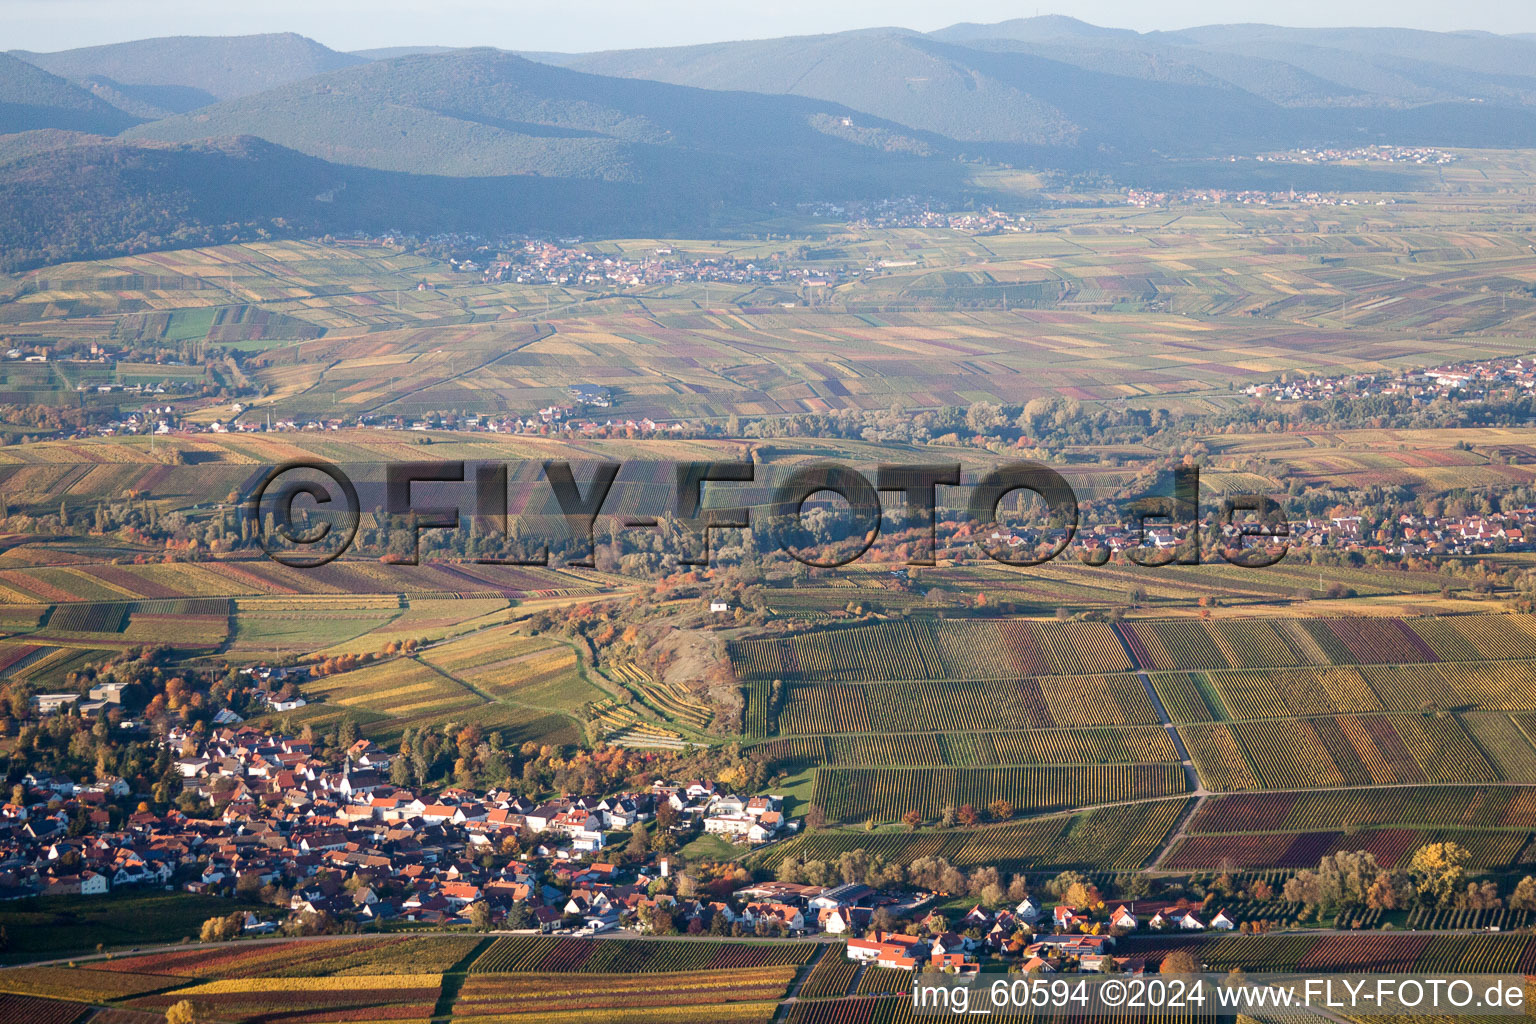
639	840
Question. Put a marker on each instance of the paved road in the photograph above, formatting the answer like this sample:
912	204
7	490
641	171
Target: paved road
1190	775
792	996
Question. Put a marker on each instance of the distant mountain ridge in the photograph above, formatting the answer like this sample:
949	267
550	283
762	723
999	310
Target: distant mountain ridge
1358	69
487	112
32	99
168	140
203	68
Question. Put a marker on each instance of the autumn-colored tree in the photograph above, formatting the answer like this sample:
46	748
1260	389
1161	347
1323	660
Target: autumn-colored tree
1178	961
1082	895
181	1012
1439	871
967	815
1001	810
666	815
1524	896
912	819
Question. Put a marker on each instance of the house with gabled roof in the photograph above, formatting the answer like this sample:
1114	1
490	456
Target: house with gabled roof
1124	918
889	949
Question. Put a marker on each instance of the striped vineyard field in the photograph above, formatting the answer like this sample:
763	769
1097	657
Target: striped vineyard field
969	705
937	650
1477	807
1242	694
538	953
490	995
1392	847
1108	839
880	981
1144	744
1341	750
1375	953
693	1013
885	794
899	1010
1173	645
355	998
830	978
40	1011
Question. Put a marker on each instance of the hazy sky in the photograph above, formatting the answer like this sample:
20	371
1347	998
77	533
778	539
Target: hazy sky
610	24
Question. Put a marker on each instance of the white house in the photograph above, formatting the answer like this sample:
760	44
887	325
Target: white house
837	921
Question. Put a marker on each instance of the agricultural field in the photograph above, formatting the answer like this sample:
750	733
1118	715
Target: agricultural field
1075	745
536	954
899	1010
388	697
41	1011
1418	954
1487	850
885	794
1184	645
492	996
938	650
1039	703
1495	825
56	926
506	666
399	954
1118	839
94	986
355	997
1259	704
1183	720
1344	750
669	701
88	582
832	976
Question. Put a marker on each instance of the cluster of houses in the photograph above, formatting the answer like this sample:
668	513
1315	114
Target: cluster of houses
946	952
1369	154
1067	940
918	212
38	856
1416	534
1472	379
313	837
348	844
1410	534
158	421
1147	199
1076	944
565	263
